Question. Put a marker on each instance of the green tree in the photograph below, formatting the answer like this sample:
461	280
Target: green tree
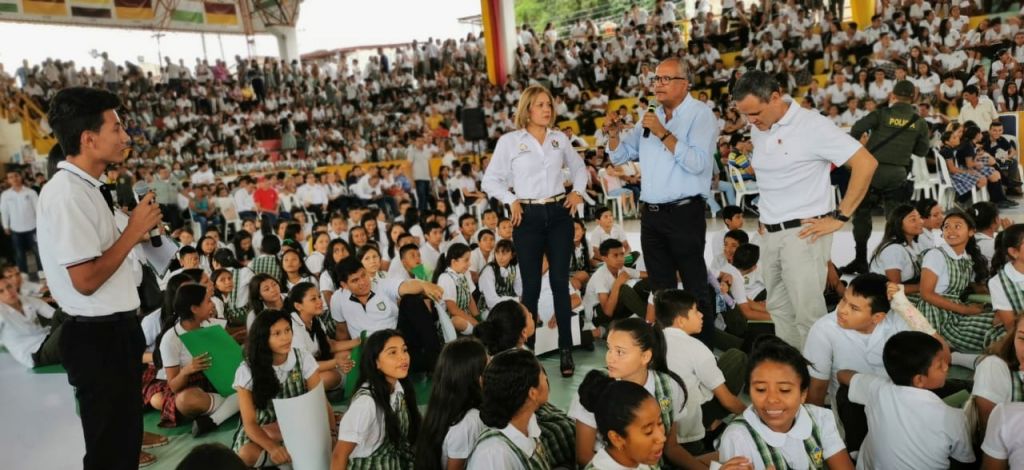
562	13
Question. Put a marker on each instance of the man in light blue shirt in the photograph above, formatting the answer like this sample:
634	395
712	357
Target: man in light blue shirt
675	166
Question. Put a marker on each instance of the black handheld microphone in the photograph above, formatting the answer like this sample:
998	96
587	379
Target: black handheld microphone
154	235
647	130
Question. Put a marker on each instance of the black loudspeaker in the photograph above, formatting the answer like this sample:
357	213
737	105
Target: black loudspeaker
473	125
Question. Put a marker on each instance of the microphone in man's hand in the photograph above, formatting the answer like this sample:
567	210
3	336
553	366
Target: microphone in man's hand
155	238
647	130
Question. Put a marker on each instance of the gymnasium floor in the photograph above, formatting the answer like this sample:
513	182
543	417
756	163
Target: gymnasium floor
41	431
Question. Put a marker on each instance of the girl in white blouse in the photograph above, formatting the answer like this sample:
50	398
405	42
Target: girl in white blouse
897	256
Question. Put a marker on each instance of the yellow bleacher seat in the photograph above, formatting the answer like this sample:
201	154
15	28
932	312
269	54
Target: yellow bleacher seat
819	66
590	140
729	59
598	122
822	80
575	126
952	112
614	105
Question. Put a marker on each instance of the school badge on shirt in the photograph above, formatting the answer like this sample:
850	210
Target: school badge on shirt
554	143
523	148
381	306
816	458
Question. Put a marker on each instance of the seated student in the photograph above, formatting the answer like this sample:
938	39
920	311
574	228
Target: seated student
1003	448
272	369
897	256
712	385
1006	286
609	292
181	390
932	215
908	425
339	251
452	421
25	287
616	187
264	293
408	259
318	254
238	300
753	320
514	388
636	353
154	322
579	265
187	258
309	333
430	249
369	257
986	215
207	248
382	421
338	227
482	254
490	222
508	326
505	229
946	274
22	331
606	229
295	271
966	171
732	218
467	231
999	377
396	303
242	246
452	276
628	419
500	279
268	262
778	430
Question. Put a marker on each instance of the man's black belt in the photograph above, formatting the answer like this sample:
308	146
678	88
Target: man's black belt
792	223
668	205
113	317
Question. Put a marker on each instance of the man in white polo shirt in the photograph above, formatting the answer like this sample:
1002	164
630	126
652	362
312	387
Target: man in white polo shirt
793	151
90	275
393	304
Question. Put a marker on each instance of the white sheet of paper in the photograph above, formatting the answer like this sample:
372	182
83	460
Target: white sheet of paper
303	422
160	258
546	339
447	327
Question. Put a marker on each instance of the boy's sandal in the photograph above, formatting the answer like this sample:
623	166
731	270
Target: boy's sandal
151	440
146	459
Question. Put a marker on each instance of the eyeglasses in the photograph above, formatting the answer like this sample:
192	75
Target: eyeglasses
664	80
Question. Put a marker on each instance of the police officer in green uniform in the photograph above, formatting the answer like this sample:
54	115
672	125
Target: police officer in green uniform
896	133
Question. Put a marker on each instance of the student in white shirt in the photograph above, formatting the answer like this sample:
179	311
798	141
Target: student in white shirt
909	426
22	333
372	433
898	255
184	392
636	353
931	215
628	419
18	212
515	386
269	353
482	254
712	385
999	377
338	251
611	292
500	279
309	334
986	216
1003	447
790	432
430	249
452	276
456	398
605	230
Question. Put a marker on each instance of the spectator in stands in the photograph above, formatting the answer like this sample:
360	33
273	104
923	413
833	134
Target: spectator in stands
977	108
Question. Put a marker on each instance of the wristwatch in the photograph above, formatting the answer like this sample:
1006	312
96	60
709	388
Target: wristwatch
665	136
836	214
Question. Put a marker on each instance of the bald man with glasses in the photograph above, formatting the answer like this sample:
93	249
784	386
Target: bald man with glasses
676	164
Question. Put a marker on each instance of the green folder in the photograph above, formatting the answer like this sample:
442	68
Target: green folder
421	273
352	377
225	355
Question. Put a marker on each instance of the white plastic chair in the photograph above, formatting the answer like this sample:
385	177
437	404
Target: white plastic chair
617	206
946	194
926	185
741	187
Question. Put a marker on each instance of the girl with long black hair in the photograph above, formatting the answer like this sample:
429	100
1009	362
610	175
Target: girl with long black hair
452	274
337	251
947	273
898	255
628	419
452	422
272	369
181	389
236	301
383	420
309	333
264	293
637	353
500	279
